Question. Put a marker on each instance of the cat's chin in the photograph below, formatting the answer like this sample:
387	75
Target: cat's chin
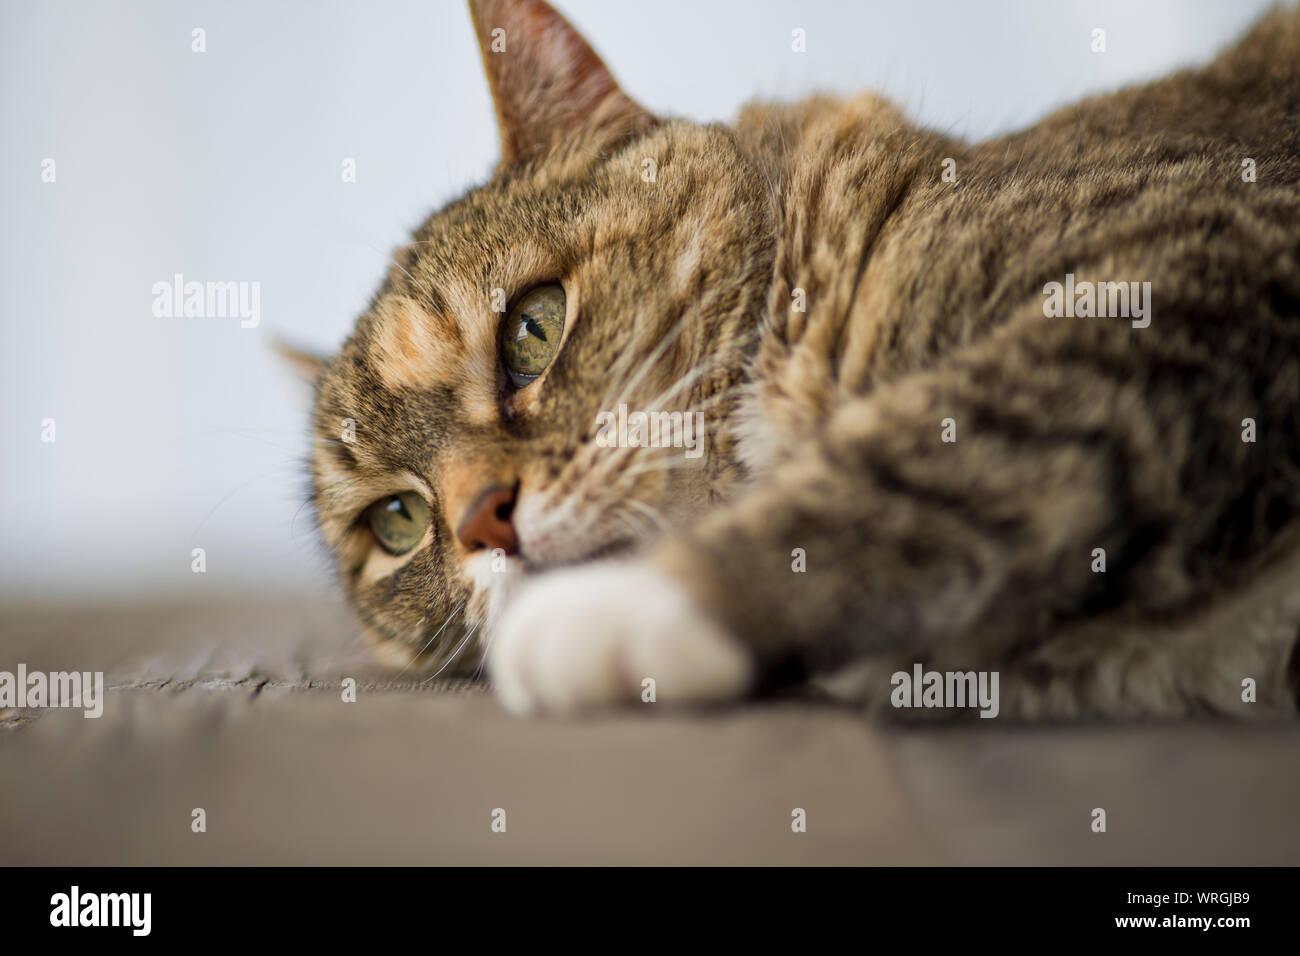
609	633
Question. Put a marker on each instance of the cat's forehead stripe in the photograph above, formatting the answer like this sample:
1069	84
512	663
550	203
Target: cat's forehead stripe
411	346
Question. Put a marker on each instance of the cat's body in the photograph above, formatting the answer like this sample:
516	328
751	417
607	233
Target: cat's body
910	459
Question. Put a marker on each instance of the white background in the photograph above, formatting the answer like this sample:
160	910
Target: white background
182	433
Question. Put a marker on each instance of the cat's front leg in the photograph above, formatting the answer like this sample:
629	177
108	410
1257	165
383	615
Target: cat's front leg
609	633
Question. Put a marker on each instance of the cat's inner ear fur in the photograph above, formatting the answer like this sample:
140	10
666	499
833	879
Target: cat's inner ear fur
548	84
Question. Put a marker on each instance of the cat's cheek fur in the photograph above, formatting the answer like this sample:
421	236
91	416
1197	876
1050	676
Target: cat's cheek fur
596	635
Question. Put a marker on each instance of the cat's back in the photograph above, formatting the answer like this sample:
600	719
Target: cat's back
897	246
1244	103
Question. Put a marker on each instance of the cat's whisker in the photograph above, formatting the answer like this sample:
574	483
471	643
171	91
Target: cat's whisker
638	371
617	455
693	375
243	433
686	381
483	658
454	654
661	463
605	466
650	360
637	527
615	458
236	490
293	522
416	655
428	291
652	513
634	461
331	442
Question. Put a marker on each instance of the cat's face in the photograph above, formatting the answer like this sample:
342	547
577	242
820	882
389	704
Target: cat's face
612	260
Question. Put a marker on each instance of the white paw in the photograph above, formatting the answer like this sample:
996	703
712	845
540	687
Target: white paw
593	635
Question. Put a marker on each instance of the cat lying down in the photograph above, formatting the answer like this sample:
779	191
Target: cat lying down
914	450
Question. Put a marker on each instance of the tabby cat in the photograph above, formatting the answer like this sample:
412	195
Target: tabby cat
680	412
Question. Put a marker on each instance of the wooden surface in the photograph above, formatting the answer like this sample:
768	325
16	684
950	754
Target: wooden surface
235	707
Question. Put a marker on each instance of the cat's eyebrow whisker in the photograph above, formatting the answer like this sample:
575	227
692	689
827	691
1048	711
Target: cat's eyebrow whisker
244	433
332	442
428	291
394	261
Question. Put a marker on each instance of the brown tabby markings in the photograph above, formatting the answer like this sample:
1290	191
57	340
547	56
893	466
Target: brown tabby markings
924	302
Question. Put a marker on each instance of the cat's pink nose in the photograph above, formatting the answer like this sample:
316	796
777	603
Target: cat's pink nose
487	521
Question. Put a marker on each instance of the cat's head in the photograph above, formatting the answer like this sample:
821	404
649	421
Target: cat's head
469	431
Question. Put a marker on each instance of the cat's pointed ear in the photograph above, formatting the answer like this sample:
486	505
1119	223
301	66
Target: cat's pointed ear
547	84
307	365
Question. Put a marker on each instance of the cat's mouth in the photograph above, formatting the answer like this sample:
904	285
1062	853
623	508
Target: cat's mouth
611	550
495	578
567	534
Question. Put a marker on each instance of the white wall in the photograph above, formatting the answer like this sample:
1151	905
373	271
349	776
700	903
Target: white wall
177	433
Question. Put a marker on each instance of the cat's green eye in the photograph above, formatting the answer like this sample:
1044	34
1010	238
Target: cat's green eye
399	521
531	333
